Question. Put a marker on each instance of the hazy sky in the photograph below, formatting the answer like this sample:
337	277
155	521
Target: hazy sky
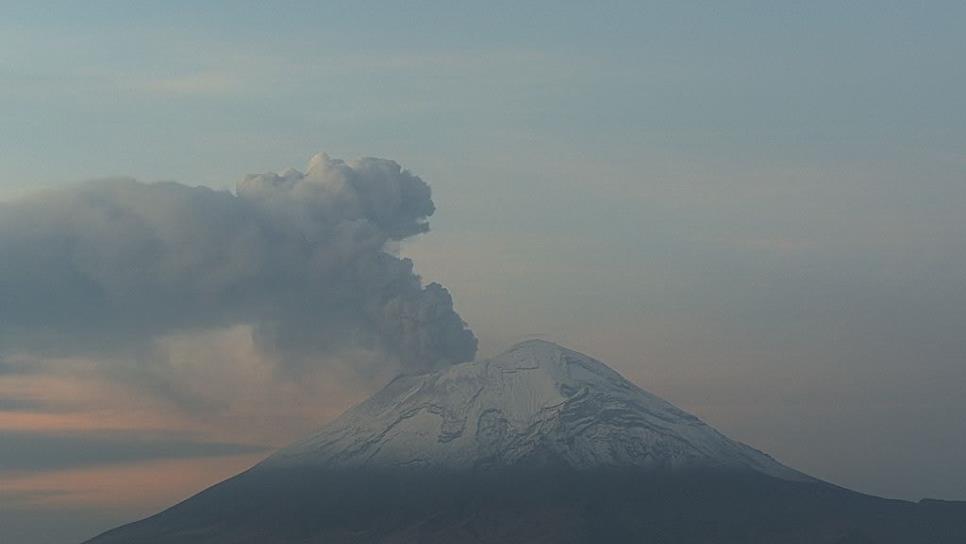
756	213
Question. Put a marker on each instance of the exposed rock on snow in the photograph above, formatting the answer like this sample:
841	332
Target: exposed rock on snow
537	403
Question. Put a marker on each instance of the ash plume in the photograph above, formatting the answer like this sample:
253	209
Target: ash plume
110	265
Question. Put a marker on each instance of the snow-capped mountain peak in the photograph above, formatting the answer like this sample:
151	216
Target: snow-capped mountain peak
539	444
536	403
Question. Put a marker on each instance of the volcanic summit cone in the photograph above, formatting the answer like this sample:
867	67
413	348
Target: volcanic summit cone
539	445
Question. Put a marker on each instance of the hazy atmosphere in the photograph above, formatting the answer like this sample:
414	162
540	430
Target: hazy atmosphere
222	224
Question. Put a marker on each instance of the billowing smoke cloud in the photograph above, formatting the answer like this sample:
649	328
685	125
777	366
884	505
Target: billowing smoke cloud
112	264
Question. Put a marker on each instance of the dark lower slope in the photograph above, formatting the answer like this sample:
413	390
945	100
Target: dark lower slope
294	506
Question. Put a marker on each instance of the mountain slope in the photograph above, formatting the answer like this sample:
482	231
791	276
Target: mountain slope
536	403
540	444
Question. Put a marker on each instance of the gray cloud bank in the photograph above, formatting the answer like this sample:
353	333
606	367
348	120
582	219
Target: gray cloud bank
109	265
35	451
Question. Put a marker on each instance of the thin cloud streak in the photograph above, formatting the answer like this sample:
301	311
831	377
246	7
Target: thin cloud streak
39	451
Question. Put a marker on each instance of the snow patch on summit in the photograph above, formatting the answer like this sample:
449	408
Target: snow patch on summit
537	403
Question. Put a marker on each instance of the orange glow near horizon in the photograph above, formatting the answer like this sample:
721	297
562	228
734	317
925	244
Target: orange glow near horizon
144	486
249	406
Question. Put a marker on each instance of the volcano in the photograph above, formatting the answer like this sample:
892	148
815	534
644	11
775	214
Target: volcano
540	444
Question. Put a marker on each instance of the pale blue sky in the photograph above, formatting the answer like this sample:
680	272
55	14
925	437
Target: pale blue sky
207	94
753	211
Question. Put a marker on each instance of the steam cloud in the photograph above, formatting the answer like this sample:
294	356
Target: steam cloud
112	264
